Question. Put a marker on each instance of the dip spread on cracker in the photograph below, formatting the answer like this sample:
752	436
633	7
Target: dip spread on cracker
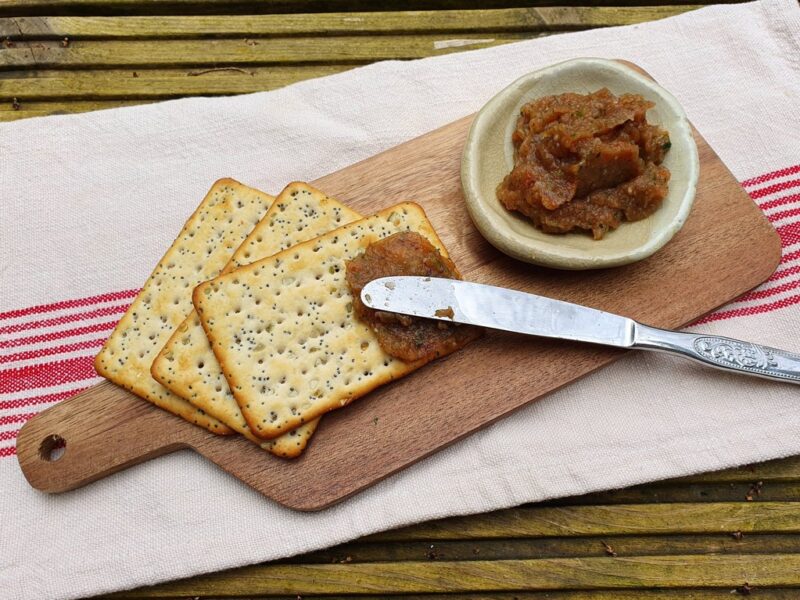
407	338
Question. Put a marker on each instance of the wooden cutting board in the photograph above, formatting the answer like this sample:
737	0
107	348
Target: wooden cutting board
107	429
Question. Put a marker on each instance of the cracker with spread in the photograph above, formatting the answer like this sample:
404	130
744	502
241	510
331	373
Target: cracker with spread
285	331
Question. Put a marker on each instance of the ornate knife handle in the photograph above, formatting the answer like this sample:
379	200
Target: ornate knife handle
721	352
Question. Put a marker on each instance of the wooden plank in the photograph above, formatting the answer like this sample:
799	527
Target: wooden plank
692	492
240	52
726	593
784	469
499	20
552	547
723	571
189	7
133	84
41	109
626	519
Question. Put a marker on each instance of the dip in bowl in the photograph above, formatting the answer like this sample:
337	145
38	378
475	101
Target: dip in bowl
489	155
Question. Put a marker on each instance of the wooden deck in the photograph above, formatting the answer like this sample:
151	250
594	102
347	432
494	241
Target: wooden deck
122	52
719	535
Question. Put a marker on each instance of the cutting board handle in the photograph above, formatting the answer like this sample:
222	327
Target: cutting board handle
97	432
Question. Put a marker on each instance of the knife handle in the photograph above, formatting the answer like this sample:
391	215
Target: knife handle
724	353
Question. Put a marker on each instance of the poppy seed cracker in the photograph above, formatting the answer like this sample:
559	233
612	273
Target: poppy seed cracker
187	366
208	239
284	331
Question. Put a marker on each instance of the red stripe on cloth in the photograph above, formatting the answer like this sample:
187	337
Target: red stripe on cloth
792	212
790	256
773	175
778	289
84	316
8	435
10	451
784	273
789	233
10	419
749	310
57	335
47	375
779	201
29	354
88	301
44	399
771	189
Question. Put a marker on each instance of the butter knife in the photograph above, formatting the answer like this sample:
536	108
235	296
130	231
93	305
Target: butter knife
520	312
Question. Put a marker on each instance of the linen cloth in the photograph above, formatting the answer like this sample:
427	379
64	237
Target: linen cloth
88	204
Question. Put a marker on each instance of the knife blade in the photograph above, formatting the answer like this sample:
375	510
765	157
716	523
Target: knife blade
497	308
520	312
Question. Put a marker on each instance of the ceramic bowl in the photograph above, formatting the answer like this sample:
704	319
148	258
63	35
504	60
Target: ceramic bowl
489	156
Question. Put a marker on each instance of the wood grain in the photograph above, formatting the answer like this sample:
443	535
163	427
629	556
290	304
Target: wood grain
552	547
237	52
167	27
677	571
396	425
228	7
121	84
64	64
238	589
25	110
574	521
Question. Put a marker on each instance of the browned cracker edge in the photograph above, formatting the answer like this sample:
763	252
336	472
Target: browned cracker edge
223	429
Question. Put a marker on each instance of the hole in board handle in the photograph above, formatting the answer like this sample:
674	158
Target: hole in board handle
52	448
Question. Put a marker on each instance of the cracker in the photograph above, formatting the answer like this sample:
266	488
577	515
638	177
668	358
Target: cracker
207	241
187	366
284	331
